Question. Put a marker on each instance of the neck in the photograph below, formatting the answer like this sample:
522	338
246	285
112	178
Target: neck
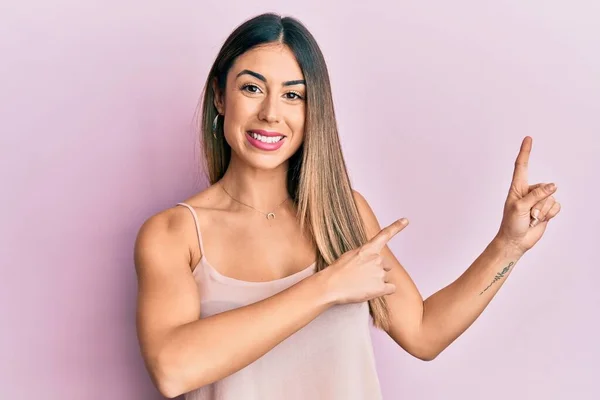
259	188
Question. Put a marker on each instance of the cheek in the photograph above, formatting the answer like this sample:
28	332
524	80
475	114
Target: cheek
297	123
239	108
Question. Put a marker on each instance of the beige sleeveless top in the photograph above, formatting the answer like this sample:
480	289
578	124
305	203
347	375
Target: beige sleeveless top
330	358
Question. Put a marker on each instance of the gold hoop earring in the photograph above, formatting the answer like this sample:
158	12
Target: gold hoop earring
214	125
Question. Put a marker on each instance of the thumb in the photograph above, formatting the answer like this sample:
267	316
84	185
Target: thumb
378	242
539	194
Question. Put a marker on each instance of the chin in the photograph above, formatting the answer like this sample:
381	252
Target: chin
264	161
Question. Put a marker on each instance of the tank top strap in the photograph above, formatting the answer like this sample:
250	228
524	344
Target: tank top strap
193	211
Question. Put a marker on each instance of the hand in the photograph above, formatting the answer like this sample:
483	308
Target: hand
528	209
360	275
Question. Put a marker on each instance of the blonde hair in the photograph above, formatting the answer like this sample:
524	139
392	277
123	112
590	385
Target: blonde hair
318	180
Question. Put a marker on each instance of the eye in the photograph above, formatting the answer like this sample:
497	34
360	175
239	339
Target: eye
293	96
250	88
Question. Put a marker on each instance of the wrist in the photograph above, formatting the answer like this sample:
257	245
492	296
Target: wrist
321	281
507	247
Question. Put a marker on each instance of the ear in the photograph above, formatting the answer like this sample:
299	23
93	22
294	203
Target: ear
218	97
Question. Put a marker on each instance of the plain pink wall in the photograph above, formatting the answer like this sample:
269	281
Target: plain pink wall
433	100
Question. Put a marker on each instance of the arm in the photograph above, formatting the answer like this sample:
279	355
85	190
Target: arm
450	311
425	328
183	352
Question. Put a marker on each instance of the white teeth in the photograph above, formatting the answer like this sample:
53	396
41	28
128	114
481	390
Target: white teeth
266	139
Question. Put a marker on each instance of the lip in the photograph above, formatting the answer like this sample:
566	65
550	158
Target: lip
264	146
266	133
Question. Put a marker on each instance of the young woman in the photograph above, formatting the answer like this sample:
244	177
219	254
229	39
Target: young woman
263	285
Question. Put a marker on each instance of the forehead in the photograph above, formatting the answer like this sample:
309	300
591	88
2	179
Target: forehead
276	62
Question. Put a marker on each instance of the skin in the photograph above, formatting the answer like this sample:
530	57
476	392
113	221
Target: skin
426	328
175	343
257	177
254	176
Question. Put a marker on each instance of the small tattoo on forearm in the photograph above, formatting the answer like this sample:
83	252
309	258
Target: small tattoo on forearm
499	276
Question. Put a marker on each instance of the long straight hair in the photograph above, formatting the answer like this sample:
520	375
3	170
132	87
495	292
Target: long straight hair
317	180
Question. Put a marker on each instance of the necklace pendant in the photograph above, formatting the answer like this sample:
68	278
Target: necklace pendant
271	215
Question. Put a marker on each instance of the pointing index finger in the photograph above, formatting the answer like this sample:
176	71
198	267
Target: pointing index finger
520	175
378	242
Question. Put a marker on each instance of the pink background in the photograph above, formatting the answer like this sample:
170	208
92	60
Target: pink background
433	99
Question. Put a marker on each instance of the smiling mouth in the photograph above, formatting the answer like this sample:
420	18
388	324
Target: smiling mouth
265	139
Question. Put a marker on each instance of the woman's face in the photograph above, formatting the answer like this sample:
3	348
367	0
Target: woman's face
264	106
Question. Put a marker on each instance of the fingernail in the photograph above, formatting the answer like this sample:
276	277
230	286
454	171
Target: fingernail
535	213
403	221
550	186
533	223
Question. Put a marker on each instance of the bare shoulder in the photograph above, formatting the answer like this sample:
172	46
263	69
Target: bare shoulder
359	198
367	215
172	231
164	232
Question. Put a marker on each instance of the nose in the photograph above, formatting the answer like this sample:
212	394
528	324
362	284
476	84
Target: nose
269	111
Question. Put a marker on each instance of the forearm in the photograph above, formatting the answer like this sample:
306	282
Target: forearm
212	348
450	311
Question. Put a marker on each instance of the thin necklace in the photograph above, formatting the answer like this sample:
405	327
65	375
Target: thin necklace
270	215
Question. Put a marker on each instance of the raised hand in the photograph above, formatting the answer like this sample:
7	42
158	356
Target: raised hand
360	275
528	208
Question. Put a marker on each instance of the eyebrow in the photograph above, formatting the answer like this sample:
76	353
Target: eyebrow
262	78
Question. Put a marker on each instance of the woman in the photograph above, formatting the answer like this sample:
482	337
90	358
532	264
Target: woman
262	285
